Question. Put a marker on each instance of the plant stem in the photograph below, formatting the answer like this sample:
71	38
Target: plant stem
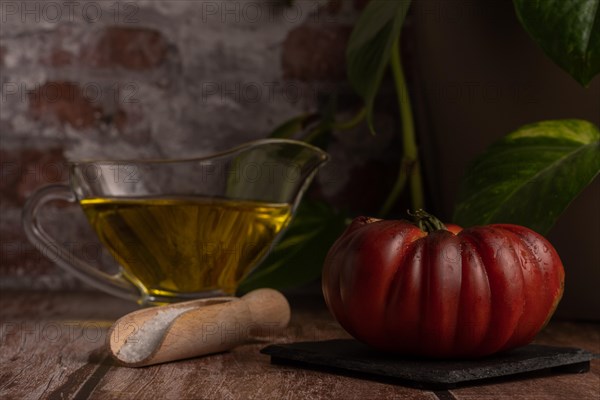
314	134
352	123
409	171
340	126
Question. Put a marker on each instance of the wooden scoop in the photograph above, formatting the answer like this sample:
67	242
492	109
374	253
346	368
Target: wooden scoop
194	328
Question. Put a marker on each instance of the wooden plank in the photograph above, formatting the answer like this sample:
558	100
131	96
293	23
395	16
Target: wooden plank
560	387
244	373
50	343
240	374
562	333
34	305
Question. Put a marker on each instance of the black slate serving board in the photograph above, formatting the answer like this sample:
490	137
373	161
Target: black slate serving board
350	357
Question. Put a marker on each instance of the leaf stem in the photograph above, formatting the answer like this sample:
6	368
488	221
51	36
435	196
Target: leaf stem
314	134
340	126
410	170
352	123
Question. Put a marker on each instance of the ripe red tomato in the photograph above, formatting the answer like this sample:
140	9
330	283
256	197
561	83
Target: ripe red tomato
441	293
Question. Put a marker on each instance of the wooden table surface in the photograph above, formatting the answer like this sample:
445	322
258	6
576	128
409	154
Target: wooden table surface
53	346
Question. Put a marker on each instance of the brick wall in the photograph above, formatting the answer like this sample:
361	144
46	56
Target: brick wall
147	79
122	79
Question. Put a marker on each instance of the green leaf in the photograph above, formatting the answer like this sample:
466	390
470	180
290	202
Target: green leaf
369	48
298	258
530	176
568	31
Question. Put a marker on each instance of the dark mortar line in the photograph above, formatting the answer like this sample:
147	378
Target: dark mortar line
94	379
444	395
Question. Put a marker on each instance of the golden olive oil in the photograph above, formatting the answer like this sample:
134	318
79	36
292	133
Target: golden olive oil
174	246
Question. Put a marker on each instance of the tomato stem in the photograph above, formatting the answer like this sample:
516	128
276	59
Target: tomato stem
427	222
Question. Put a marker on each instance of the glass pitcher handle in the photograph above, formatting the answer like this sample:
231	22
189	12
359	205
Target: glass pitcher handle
113	284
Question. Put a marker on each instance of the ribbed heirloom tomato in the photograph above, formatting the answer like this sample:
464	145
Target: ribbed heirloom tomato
440	291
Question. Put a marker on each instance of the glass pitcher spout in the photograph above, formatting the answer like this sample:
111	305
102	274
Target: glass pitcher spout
182	228
269	170
272	170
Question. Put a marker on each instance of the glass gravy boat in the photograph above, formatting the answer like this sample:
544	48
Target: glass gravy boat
181	229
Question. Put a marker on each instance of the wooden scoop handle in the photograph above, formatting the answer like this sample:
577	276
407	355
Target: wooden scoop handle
219	327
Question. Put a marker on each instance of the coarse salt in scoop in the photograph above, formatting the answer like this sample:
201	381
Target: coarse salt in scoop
194	328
